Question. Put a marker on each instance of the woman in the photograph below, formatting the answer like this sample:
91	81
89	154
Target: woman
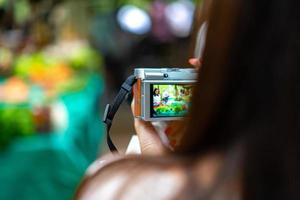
156	97
242	140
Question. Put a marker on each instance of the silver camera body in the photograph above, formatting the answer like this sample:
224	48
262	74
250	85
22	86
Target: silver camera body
163	94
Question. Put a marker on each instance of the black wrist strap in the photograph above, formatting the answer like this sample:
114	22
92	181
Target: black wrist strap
111	109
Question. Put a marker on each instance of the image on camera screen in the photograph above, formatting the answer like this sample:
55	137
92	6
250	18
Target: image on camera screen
170	100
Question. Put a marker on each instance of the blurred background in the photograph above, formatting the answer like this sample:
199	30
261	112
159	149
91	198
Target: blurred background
61	61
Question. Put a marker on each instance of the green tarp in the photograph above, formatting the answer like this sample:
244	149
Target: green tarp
50	166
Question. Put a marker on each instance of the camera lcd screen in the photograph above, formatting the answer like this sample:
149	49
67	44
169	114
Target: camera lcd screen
170	100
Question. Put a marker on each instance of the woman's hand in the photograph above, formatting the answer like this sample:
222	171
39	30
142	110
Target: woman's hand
150	141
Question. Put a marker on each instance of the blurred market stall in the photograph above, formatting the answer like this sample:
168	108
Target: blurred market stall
51	83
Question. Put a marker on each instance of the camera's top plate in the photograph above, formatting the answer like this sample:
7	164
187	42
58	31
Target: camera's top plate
166	73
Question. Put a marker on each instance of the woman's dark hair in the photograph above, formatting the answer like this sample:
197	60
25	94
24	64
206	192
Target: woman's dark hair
154	91
249	93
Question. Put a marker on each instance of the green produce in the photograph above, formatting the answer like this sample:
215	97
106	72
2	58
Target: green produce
15	121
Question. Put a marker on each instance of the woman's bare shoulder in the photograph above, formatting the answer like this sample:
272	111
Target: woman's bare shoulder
141	177
135	177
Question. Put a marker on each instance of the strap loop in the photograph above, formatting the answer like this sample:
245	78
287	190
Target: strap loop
106	111
126	87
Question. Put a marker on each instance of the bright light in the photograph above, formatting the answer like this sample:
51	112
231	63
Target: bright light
179	16
134	20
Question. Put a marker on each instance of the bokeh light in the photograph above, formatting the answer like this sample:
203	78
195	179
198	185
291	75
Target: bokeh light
179	16
134	20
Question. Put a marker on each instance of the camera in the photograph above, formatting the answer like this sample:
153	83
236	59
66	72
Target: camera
163	94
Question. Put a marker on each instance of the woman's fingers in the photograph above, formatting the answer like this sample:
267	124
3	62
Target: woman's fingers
195	62
149	140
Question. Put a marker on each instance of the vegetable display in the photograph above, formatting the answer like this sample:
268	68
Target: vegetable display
36	81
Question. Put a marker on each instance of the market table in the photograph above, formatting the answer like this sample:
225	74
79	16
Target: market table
50	166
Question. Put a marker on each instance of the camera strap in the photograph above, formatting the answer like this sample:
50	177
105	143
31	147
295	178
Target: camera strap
111	109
